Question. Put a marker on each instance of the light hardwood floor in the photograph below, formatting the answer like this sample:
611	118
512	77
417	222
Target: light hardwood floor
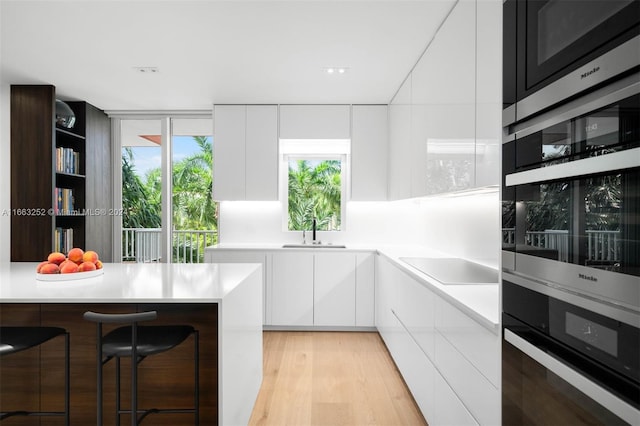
331	378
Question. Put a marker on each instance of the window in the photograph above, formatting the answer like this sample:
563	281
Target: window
314	181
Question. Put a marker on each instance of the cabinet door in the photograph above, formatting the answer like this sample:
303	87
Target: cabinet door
261	153
365	289
385	296
400	143
291	289
229	152
334	290
369	135
488	92
315	122
450	110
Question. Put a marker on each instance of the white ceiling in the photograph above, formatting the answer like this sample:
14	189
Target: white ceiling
212	51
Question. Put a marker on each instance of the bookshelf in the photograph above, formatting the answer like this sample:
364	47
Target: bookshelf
49	182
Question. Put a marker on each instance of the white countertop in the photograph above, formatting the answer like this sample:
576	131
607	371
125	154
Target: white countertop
126	283
480	301
272	246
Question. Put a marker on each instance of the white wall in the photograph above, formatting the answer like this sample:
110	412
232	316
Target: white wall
462	226
366	223
5	175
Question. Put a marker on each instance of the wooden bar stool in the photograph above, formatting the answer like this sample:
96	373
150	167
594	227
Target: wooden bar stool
139	342
16	339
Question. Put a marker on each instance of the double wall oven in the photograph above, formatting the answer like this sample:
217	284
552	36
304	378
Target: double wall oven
571	212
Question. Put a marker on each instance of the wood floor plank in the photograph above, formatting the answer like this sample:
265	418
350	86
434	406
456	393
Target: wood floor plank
331	378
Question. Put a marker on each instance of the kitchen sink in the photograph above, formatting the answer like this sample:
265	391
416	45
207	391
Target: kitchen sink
313	246
453	271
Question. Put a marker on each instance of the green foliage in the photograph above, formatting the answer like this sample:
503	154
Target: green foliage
193	205
314	191
139	210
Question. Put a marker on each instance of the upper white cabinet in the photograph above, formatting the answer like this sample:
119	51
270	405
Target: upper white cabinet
444	134
245	146
400	143
369	135
488	92
445	93
315	122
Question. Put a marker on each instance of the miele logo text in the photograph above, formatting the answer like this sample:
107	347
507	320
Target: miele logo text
588	73
588	277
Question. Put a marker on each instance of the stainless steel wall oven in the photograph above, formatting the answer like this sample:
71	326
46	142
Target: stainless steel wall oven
571	196
571	212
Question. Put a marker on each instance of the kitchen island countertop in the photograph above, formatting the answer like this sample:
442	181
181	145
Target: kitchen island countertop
126	283
228	297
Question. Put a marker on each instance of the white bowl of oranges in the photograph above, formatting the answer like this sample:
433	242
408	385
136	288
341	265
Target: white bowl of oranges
76	264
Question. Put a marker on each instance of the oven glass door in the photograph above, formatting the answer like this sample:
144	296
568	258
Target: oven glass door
536	393
558	34
589	221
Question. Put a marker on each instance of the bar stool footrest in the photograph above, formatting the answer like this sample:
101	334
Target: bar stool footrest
30	413
146	412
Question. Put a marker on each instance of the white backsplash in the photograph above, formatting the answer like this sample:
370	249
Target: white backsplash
463	226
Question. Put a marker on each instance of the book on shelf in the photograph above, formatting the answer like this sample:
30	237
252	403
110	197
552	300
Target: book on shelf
65	203
63	239
67	161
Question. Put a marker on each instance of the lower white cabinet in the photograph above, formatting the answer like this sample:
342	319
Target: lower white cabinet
290	298
311	287
445	357
334	289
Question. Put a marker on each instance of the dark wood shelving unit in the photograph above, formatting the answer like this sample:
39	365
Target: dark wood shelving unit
34	175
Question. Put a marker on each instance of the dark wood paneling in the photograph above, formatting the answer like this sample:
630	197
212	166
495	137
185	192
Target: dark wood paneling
99	189
32	155
164	379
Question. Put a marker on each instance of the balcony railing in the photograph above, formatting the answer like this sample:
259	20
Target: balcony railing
602	246
143	245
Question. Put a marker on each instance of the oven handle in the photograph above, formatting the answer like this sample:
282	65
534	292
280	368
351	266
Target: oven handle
620	160
617	406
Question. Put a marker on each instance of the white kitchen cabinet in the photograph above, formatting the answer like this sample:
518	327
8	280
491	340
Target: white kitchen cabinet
448	70
451	117
291	289
480	397
416	309
245	146
449	409
449	361
229	152
488	92
315	122
369	148
480	346
334	289
400	143
261	153
365	289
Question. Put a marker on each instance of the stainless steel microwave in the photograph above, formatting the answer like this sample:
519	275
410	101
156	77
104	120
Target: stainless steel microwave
571	196
556	49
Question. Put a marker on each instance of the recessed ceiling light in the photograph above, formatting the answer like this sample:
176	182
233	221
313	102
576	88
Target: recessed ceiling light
336	70
147	70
